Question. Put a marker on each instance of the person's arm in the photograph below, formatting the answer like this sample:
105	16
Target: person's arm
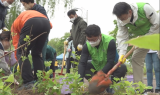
3	64
111	54
153	17
122	37
83	61
83	26
70	38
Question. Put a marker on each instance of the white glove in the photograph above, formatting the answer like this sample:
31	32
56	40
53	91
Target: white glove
79	47
5	29
16	82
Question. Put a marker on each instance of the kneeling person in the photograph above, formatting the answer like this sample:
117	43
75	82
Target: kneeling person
102	50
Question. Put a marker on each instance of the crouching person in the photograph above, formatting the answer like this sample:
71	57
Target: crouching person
30	23
102	50
5	38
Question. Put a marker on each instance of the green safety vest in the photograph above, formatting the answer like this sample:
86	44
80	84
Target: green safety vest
142	24
99	56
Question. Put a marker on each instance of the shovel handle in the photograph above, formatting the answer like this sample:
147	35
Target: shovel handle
63	58
119	63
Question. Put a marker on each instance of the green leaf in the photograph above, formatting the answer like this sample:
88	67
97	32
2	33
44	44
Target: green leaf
73	93
92	70
88	74
10	78
1	85
146	42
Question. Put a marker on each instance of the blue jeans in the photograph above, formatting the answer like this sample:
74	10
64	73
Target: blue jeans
152	60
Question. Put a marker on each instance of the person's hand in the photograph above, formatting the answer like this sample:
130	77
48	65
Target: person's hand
5	29
69	50
122	59
66	42
79	47
16	82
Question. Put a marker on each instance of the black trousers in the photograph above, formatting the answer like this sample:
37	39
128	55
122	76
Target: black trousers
33	27
119	72
69	63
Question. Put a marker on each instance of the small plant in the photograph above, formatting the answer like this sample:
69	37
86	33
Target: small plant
127	88
75	85
5	88
48	85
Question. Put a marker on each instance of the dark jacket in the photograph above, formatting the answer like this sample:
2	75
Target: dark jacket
40	9
50	53
78	32
3	13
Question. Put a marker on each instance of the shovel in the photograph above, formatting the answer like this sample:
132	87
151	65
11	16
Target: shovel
101	81
65	47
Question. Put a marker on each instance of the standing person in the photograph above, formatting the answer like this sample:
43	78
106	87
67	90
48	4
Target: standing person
3	12
78	31
70	56
30	5
152	61
102	50
51	56
30	23
135	20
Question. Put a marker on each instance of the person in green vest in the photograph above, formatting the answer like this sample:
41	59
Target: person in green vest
101	49
135	20
51	56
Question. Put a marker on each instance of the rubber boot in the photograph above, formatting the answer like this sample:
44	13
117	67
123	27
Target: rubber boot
53	76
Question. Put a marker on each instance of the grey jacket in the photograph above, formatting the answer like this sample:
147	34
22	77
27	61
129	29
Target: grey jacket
3	63
70	46
3	13
78	32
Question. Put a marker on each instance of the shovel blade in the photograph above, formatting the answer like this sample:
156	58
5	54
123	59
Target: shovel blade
97	87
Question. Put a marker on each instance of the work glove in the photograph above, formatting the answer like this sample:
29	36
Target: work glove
5	29
18	69
122	59
16	82
79	47
66	42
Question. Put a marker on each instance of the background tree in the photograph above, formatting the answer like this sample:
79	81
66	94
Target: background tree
16	8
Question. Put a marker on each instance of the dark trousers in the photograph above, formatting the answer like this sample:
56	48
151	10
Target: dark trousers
69	64
119	72
32	27
52	66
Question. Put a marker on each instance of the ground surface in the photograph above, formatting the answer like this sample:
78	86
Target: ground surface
30	92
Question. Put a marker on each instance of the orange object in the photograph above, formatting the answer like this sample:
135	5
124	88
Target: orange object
19	23
101	81
65	47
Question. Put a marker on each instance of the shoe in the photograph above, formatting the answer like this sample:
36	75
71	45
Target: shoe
157	91
27	86
149	90
142	92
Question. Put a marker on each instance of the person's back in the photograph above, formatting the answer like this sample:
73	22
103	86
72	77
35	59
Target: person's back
30	5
